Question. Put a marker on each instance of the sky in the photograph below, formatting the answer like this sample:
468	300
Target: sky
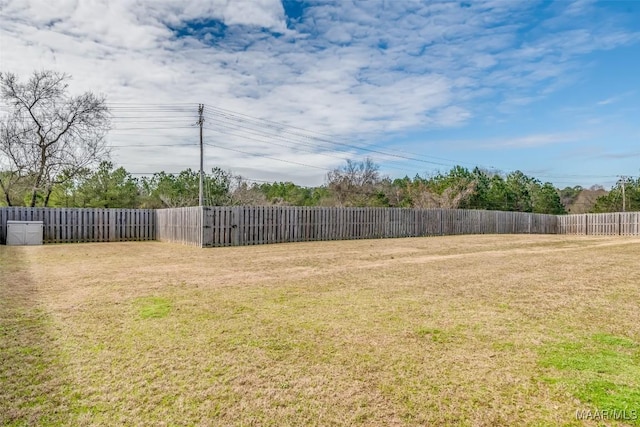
292	89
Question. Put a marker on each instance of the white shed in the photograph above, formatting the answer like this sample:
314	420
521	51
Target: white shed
24	233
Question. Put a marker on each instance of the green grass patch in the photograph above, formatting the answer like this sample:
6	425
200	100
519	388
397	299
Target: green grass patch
613	340
436	335
602	371
153	307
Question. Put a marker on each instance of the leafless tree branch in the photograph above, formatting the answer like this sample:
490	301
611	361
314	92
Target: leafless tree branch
49	136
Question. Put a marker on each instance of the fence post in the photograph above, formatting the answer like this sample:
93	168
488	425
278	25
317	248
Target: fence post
235	226
203	225
619	224
112	225
586	226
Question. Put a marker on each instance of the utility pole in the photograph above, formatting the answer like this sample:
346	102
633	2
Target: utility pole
623	181
201	123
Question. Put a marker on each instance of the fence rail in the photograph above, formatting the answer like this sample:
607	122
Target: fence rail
75	225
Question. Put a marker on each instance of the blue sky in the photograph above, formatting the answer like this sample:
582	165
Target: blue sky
549	88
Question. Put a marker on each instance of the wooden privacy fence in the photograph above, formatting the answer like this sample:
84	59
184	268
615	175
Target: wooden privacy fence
602	224
182	225
74	225
255	225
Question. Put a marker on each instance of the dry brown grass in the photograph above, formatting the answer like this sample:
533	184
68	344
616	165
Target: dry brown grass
424	331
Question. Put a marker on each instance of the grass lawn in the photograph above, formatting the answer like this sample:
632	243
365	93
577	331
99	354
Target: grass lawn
463	330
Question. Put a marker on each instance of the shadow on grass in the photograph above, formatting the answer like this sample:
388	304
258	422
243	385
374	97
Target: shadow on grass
32	387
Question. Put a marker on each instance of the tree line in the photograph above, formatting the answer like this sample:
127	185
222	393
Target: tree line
53	153
357	183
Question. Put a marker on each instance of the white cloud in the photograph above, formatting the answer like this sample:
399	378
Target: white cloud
355	70
615	99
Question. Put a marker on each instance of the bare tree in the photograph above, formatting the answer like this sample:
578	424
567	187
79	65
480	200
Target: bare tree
48	136
13	173
245	194
451	197
355	184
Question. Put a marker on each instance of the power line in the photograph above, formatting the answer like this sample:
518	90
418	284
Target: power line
247	127
307	133
296	145
154	128
266	157
230	124
152	145
319	153
273	143
283	128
